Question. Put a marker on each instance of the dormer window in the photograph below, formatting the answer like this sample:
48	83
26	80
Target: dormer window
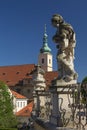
7	81
27	74
17	72
4	73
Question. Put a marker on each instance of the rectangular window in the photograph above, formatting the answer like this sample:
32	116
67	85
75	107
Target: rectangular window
18	104
43	61
49	61
23	104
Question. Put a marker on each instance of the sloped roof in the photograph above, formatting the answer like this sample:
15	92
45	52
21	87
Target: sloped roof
49	76
26	111
11	75
17	95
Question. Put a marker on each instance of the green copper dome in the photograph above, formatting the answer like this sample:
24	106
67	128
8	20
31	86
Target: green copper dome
45	48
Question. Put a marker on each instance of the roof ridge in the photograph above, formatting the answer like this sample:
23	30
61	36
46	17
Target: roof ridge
17	95
17	65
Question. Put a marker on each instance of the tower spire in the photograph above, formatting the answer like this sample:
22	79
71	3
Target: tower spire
45	48
45	30
45	37
45	56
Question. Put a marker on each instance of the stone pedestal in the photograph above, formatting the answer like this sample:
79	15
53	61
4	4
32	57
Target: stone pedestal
58	91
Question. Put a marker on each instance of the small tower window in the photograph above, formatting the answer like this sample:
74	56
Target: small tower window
43	61
49	61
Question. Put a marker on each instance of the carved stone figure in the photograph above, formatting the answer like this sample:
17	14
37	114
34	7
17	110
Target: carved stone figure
66	42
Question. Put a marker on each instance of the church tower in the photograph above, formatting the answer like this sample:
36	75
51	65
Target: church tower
45	56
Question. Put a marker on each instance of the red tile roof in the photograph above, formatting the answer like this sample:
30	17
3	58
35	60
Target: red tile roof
49	76
17	95
11	75
26	111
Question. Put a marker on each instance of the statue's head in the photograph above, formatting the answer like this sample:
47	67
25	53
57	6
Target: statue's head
56	20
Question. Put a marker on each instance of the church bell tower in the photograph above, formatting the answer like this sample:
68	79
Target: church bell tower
45	56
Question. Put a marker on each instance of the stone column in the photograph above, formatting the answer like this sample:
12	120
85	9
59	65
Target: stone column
37	105
39	87
55	117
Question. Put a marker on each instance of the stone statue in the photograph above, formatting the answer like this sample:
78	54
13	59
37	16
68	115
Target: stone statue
66	42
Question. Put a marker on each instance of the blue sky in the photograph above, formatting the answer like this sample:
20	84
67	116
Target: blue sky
22	27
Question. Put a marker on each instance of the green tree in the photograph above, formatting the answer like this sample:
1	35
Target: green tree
83	90
7	118
84	80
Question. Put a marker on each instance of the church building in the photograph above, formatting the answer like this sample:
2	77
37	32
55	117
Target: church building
19	77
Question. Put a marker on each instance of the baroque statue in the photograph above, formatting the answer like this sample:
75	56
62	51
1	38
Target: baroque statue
66	42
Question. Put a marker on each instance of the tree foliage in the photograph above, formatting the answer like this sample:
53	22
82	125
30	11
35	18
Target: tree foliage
84	90
7	118
84	80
